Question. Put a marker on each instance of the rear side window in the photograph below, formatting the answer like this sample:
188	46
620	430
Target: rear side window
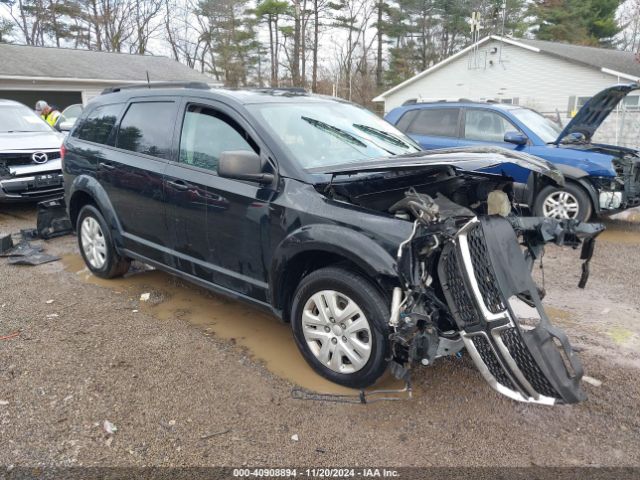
98	125
438	122
147	127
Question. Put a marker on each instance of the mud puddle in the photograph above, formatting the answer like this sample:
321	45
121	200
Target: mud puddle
264	336
625	237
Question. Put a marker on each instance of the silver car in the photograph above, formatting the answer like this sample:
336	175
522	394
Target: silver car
30	164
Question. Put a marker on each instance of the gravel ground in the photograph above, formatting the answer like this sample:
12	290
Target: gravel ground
191	379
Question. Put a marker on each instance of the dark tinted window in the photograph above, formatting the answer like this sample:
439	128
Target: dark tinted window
206	134
438	122
147	128
99	123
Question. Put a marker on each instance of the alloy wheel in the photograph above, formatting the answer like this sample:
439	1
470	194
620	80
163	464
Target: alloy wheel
561	205
93	243
336	331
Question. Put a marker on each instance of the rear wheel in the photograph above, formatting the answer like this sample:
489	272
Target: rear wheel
339	322
568	202
96	245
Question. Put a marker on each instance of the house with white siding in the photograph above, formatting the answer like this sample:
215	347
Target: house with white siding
554	78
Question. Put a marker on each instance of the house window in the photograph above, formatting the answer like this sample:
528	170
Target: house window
631	102
580	101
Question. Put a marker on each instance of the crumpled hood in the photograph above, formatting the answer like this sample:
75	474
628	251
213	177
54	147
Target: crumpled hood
464	158
596	110
30	141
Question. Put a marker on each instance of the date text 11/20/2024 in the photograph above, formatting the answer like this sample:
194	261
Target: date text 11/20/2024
315	472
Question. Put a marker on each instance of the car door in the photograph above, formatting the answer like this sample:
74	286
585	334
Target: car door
432	127
132	174
482	126
217	225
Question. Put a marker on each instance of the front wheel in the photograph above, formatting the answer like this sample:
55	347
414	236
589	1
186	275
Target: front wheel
340	324
568	202
96	245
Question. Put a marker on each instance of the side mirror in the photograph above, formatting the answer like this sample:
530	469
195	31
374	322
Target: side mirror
575	137
516	138
65	126
243	165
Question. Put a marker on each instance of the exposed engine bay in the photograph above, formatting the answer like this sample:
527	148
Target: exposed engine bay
465	280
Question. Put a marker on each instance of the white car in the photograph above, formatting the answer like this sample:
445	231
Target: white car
30	165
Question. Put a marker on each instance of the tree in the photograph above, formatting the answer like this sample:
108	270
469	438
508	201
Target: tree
6	29
271	11
231	37
582	22
629	22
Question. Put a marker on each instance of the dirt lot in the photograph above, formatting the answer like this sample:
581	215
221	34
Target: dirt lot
189	378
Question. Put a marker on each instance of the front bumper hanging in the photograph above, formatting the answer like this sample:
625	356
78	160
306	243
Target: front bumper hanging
482	272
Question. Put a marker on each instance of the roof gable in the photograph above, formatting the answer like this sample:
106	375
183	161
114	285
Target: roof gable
61	63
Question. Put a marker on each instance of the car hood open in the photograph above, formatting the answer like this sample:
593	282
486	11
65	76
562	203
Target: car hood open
464	158
596	110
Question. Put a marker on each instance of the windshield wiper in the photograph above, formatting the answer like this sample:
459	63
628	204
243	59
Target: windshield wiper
335	131
22	131
383	135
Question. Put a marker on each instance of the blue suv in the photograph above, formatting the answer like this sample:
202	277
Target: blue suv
600	179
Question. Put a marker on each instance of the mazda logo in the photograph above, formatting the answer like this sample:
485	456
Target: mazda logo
39	157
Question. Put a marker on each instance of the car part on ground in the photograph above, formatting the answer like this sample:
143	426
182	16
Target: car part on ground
53	220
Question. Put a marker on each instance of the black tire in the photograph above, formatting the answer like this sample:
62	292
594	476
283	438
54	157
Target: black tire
585	208
114	265
373	306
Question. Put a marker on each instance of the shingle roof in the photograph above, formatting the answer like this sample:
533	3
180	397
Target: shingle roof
46	62
623	62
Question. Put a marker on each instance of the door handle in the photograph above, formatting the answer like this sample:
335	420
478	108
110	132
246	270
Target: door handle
107	166
179	185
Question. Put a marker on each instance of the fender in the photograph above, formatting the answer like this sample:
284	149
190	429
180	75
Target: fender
91	186
378	263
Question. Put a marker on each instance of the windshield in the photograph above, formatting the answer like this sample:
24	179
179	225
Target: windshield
544	128
320	134
18	118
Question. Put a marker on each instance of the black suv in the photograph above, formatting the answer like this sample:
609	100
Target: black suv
377	253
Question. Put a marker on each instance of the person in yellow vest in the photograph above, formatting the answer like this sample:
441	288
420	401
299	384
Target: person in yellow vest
47	113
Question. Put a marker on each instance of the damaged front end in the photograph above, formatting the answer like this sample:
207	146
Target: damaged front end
466	283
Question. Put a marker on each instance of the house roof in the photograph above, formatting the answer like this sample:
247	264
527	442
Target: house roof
47	63
616	60
613	62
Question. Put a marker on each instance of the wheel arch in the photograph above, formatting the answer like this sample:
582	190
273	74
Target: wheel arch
87	190
312	248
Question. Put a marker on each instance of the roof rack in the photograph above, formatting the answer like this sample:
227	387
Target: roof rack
178	84
298	90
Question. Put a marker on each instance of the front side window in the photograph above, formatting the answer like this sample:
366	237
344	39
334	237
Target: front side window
206	134
147	128
99	123
321	133
544	128
437	122
486	126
